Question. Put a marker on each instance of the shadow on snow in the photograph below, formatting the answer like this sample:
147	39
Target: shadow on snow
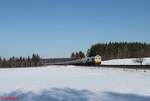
67	94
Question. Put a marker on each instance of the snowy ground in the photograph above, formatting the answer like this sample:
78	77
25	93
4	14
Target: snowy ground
130	61
73	83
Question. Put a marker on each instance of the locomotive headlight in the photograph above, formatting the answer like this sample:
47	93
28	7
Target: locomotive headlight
97	59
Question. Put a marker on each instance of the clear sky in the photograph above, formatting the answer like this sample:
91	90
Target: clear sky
55	28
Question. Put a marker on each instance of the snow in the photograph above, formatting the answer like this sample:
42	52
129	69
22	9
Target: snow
130	61
75	83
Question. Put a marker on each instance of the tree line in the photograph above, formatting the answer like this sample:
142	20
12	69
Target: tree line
77	55
21	61
118	50
111	50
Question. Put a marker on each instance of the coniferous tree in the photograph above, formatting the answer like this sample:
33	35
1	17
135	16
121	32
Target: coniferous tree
81	55
4	63
0	61
73	55
35	59
77	55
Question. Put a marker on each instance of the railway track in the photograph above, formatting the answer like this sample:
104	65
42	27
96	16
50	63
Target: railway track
106	66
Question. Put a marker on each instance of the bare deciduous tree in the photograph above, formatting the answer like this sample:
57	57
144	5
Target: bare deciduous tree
139	60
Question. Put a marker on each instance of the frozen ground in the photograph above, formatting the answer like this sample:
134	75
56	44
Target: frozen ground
73	83
130	61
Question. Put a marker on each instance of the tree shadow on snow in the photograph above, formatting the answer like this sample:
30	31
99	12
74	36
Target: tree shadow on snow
67	94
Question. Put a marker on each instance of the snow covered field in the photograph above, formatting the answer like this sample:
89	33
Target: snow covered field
130	61
73	83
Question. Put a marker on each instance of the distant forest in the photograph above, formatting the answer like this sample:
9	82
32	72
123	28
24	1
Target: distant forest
111	50
119	50
21	61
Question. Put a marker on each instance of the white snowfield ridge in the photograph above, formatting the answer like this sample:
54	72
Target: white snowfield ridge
129	61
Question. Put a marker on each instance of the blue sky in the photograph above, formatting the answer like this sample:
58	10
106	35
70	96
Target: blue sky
55	28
